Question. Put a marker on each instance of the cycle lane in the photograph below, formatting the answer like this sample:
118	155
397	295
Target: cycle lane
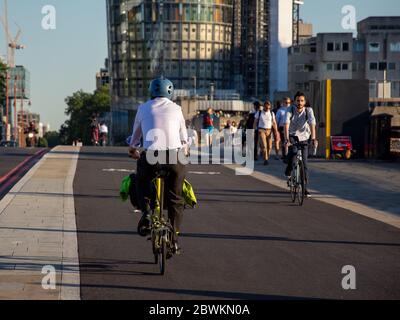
244	241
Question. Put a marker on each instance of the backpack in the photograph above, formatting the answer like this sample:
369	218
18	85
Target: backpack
208	121
292	112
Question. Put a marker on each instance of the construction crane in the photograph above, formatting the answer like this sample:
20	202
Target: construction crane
12	43
296	21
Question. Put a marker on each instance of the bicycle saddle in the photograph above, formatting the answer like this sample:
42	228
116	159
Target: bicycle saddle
161	173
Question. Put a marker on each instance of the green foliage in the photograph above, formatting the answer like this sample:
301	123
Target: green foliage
42	143
80	107
53	138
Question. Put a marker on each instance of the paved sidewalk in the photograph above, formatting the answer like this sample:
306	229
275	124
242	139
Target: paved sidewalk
368	188
37	229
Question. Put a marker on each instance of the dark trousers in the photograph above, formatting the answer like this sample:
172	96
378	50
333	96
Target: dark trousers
282	134
293	153
146	173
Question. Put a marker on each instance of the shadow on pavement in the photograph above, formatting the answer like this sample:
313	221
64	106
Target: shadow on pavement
200	293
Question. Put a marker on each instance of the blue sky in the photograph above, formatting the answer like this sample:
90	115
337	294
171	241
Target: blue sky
60	61
326	15
67	59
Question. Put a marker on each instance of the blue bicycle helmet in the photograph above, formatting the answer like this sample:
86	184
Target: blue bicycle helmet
161	88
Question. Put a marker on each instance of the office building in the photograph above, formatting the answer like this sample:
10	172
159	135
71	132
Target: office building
373	55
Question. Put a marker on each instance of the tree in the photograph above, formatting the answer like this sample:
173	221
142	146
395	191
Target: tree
53	138
80	107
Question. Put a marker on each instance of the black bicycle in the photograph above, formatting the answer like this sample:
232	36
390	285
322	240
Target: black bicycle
297	182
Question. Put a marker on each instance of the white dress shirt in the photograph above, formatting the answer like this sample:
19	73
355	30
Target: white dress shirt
266	119
161	124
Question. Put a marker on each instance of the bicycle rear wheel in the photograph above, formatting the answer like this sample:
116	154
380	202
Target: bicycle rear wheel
155	250
163	256
301	185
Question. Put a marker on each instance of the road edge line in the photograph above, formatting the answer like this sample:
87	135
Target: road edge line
20	165
70	279
351	206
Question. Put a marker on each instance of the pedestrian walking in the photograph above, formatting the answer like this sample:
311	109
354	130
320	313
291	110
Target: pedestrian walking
265	123
208	125
281	119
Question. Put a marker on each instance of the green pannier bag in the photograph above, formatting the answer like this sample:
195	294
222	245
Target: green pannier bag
124	188
187	191
188	194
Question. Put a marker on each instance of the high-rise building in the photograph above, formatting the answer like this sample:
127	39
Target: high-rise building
190	42
201	45
103	76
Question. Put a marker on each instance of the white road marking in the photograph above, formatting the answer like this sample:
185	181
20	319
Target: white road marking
204	173
118	170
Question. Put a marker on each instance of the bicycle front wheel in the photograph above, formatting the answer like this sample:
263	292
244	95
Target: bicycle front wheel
293	185
301	185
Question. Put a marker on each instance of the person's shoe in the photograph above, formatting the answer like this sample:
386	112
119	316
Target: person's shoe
288	172
308	195
144	225
177	248
174	250
266	163
277	157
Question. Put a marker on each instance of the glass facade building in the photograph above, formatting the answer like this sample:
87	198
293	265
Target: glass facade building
19	83
189	42
201	45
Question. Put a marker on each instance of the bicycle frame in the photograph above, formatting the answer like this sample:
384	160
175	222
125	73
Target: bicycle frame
161	229
297	181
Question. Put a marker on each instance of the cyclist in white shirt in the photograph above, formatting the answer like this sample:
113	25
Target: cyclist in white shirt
300	127
160	124
103	134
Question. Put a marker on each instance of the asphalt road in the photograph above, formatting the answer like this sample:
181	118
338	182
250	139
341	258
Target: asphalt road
246	240
12	157
13	165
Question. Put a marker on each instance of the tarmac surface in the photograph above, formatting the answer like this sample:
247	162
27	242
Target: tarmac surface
11	157
246	240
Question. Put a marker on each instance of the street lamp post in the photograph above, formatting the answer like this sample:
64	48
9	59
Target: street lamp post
7	109
15	131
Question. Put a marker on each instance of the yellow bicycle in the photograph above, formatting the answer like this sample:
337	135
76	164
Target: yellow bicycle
161	228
